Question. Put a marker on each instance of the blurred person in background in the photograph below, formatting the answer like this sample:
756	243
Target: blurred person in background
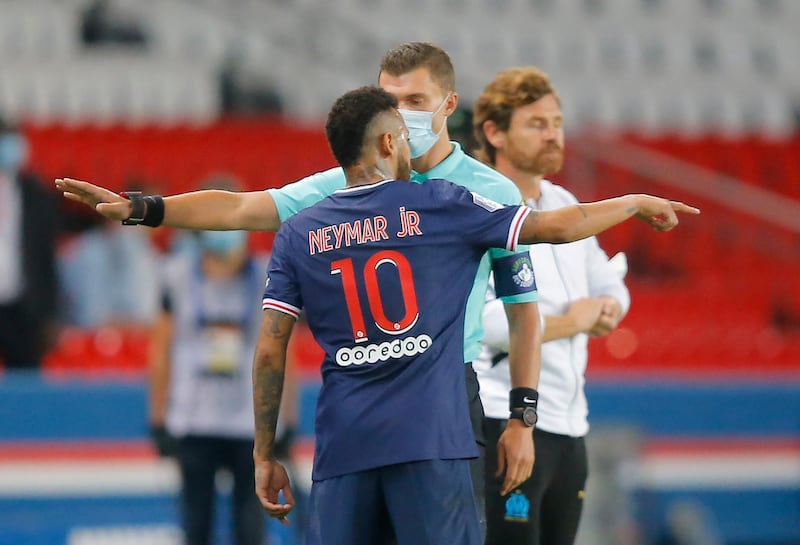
28	281
110	277
111	23
201	400
689	522
518	125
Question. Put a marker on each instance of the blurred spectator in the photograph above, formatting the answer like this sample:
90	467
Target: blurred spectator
28	287
104	23
689	522
244	91
785	313
110	275
201	394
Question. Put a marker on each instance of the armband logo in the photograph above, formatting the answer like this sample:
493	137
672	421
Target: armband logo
522	272
486	204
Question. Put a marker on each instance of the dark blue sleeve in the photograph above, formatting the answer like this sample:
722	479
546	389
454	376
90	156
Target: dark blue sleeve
282	291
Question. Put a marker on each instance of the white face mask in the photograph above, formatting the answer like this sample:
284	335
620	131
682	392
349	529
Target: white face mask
421	137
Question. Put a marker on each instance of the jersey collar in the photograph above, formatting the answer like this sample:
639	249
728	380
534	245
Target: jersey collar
443	169
363	187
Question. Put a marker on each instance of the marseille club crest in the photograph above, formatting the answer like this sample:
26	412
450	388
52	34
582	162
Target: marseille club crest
523	272
518	507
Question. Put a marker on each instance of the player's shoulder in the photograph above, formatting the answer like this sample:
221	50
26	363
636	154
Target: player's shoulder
289	226
487	182
299	222
443	192
439	189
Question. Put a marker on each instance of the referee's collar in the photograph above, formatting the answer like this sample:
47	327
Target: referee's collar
443	169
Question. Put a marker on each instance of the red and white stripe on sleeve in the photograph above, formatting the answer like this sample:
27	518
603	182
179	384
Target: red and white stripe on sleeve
280	306
516	228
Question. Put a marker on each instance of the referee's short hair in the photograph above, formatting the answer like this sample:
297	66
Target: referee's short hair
349	118
410	56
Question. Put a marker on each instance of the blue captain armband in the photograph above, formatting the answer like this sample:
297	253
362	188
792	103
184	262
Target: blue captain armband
513	275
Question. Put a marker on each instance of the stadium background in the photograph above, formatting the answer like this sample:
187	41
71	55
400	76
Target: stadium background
694	400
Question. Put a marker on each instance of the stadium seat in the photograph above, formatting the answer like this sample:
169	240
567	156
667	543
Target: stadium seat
536	48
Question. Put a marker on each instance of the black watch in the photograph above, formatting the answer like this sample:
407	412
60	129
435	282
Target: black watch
526	414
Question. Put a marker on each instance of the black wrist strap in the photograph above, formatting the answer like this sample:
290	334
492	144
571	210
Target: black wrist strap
148	210
522	397
138	208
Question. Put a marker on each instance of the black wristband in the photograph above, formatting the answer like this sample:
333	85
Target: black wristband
147	210
155	211
138	207
522	397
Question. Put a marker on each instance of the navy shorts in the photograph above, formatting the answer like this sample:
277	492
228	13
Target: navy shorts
416	503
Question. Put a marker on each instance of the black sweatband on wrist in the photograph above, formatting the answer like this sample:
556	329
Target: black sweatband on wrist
138	208
154	216
148	210
522	397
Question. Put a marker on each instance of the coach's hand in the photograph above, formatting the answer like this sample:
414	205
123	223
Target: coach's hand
104	201
515	455
271	478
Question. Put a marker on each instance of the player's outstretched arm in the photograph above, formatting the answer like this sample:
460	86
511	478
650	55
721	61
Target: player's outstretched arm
206	209
269	365
583	220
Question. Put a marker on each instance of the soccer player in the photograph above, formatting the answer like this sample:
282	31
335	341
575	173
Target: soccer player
393	434
518	125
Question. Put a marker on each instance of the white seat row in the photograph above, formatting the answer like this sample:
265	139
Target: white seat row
693	108
654	63
37	30
110	89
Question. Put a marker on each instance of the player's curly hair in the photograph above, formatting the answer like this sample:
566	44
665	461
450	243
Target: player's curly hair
349	118
409	56
509	90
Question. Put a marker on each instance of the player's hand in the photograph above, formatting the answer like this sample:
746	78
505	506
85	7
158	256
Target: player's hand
515	455
660	213
271	478
104	201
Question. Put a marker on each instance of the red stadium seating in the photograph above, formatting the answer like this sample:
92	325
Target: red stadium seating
718	294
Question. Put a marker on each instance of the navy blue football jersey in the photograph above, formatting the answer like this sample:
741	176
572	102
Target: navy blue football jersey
383	272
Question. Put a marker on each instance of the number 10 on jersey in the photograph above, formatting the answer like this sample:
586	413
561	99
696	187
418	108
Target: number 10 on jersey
369	277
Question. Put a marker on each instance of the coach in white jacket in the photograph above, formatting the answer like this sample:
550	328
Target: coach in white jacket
518	124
